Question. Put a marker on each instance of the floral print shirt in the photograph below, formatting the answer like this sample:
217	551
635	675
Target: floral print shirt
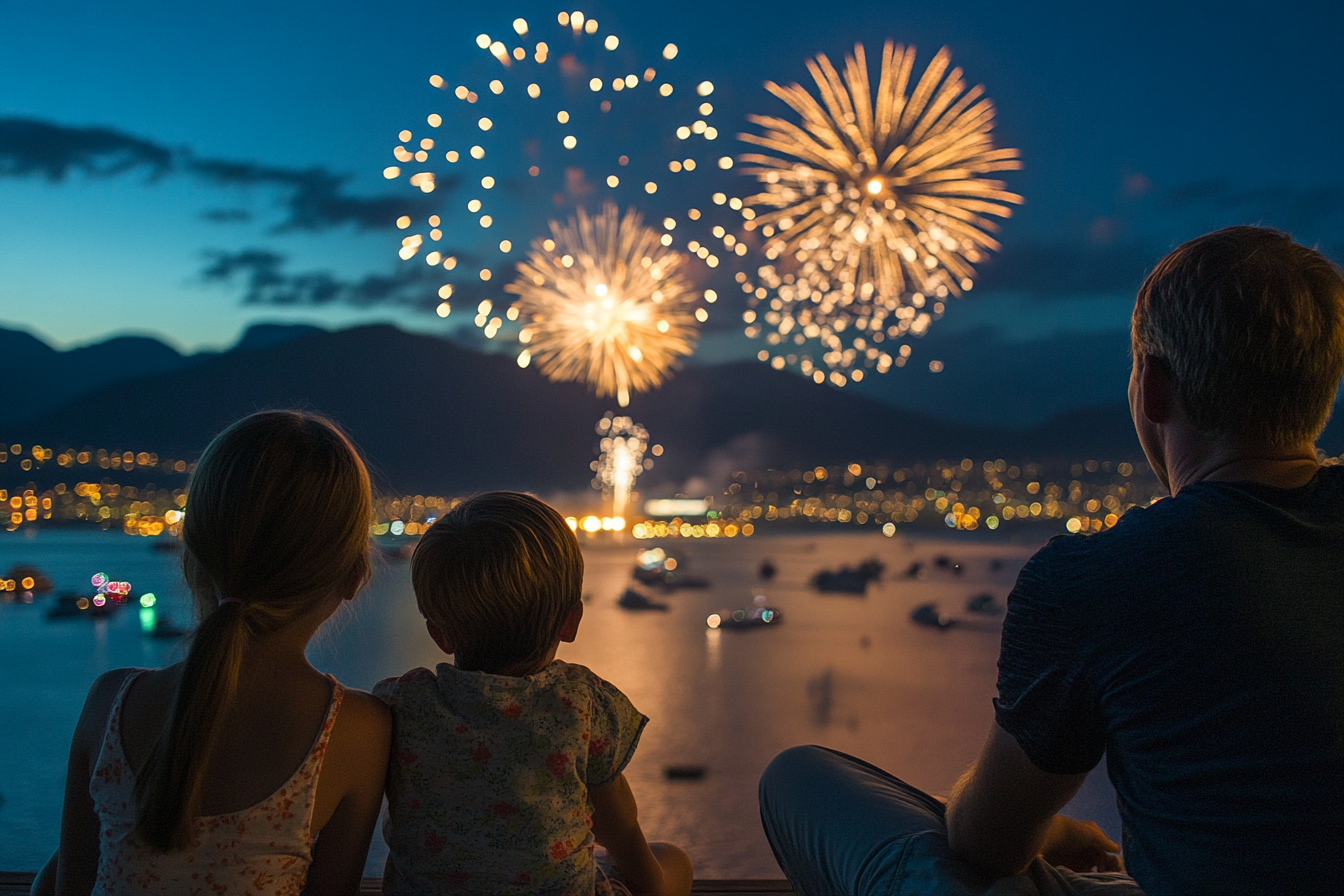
488	786
264	850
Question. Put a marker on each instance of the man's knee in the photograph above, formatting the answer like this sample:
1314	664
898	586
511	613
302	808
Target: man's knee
791	766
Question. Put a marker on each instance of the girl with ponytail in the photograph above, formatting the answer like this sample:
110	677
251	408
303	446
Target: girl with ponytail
241	769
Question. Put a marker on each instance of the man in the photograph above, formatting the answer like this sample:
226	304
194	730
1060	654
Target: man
1199	644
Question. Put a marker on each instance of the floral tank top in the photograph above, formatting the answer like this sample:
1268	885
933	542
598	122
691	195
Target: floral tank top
263	850
488	785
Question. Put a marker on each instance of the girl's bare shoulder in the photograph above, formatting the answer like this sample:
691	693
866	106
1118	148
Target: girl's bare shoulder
362	732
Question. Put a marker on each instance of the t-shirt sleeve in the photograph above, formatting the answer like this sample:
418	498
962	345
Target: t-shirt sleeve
613	733
1046	700
391	690
387	690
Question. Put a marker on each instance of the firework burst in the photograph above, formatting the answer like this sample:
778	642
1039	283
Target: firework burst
547	115
603	302
620	459
873	207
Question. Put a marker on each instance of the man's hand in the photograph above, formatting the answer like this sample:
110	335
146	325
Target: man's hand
1080	846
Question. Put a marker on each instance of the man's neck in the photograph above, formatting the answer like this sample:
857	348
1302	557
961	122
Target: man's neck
1196	460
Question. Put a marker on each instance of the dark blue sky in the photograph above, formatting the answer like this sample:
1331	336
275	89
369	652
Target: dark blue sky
1140	125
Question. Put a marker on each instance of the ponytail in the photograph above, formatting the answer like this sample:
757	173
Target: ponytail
277	518
168	788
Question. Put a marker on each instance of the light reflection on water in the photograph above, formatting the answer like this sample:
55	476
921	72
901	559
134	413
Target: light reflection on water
849	673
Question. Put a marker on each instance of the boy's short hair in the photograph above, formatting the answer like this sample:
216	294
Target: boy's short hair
498	574
1250	326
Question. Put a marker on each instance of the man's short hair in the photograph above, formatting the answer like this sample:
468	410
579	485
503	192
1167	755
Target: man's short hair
1250	326
498	574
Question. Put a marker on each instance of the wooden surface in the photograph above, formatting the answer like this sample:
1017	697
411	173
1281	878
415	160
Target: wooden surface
16	883
374	885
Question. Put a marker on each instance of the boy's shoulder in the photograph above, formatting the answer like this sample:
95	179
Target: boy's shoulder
575	674
391	690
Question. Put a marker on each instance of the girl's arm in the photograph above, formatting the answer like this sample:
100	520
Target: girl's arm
616	826
77	857
353	774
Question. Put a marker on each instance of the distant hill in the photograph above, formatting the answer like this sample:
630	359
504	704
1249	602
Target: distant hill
435	417
37	377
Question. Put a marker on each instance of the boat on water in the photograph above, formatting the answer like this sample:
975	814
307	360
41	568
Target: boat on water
985	604
108	596
631	599
165	629
81	606
849	580
655	568
929	615
746	617
23	583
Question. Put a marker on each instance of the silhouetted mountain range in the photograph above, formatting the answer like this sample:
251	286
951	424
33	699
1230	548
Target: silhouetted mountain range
436	417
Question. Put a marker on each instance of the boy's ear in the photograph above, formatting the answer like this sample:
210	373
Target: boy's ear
440	638
569	629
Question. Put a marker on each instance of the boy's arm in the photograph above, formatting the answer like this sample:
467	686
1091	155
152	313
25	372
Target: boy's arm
616	826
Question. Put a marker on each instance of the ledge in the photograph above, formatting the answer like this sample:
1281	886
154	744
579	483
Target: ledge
16	883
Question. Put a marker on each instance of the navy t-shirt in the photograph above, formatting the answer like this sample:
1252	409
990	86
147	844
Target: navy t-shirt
1199	644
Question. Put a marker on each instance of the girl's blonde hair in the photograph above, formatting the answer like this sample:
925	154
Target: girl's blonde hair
277	520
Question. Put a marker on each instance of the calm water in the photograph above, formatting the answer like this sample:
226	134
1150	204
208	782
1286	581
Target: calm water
849	673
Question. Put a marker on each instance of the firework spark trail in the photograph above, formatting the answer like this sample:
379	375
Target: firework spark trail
872	205
604	302
621	459
550	115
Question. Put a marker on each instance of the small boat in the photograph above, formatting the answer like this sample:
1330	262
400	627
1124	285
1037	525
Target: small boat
944	562
24	582
165	629
79	606
849	580
985	604
752	617
655	567
631	599
930	615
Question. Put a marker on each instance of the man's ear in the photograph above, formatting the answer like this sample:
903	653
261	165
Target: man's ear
1158	392
440	638
569	629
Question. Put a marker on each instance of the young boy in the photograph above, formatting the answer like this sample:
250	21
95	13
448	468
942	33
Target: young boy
507	765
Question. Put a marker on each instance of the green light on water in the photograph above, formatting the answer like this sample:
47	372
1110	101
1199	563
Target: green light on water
148	600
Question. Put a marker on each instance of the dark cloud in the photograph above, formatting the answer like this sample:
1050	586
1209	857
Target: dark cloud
264	280
31	148
313	198
227	215
1058	270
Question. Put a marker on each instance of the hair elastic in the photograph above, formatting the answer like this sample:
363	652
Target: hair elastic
232	600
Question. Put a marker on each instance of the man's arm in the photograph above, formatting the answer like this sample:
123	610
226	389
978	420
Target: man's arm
1001	815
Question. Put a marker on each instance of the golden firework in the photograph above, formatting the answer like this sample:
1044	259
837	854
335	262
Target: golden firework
604	302
620	459
874	205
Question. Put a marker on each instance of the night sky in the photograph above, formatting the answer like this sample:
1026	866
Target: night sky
144	143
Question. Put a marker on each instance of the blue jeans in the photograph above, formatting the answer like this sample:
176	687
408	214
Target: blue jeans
840	826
